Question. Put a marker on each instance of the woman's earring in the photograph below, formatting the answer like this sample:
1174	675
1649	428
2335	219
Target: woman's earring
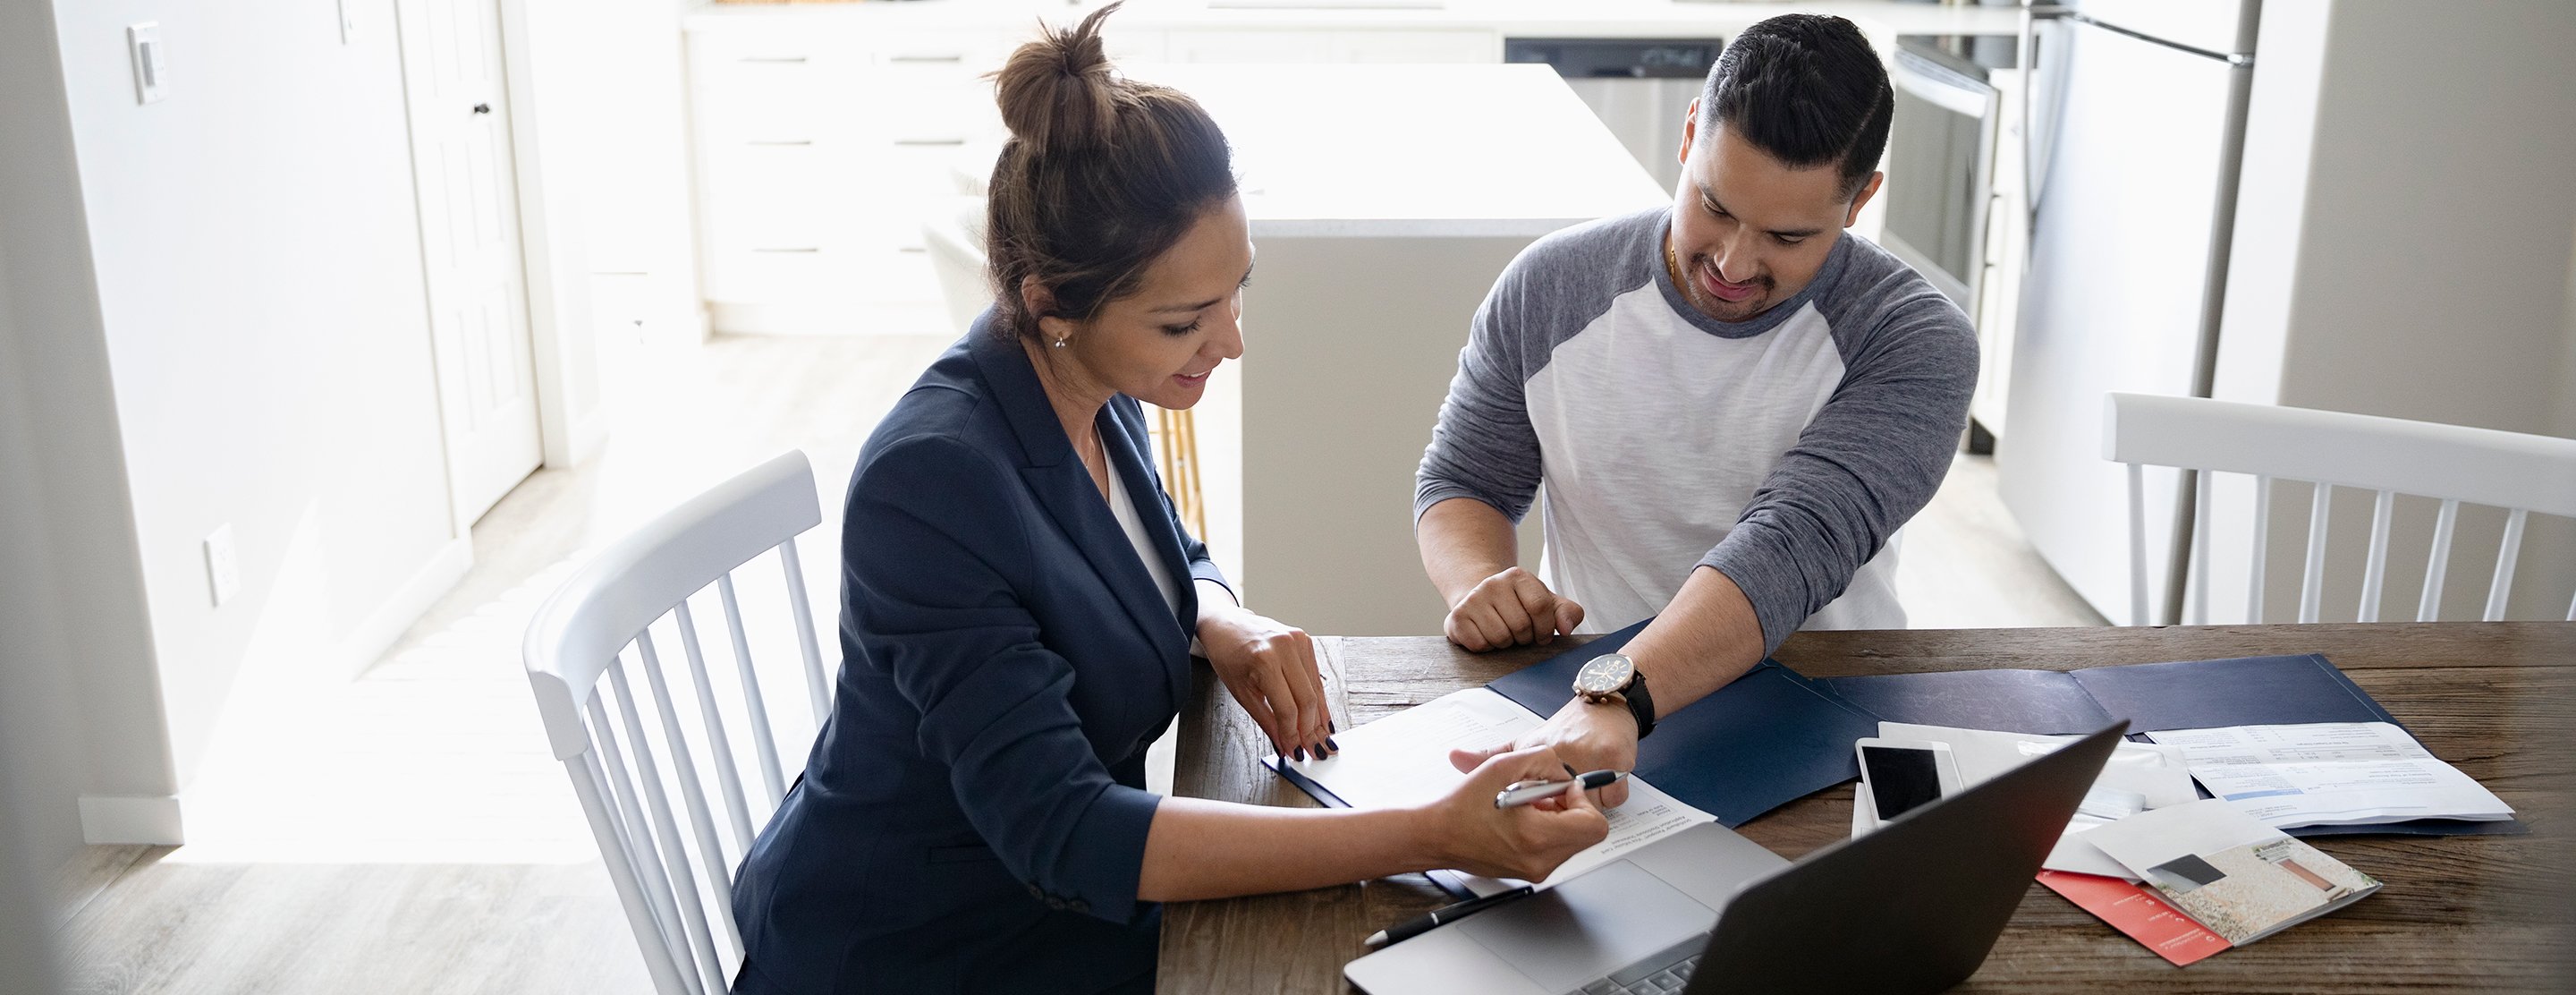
1059	343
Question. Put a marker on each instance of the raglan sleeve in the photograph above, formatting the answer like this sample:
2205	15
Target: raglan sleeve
1866	463
1482	446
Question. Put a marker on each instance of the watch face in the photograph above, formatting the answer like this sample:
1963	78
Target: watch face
1605	674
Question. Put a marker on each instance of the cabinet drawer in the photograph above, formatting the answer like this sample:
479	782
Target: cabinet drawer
1416	46
776	274
1249	46
770	86
828	274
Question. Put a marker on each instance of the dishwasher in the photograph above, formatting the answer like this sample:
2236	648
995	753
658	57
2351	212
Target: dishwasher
1639	87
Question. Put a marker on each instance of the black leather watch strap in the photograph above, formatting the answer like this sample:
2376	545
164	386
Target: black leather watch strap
1641	705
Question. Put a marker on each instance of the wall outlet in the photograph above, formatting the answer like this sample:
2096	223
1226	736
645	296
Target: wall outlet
151	64
223	568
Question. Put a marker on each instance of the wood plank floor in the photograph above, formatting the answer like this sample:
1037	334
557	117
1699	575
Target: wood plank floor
434	846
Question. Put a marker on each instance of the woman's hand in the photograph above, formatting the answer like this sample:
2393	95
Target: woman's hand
1526	842
1270	669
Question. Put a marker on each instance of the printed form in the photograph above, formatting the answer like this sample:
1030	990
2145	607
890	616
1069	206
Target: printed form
2331	773
1403	759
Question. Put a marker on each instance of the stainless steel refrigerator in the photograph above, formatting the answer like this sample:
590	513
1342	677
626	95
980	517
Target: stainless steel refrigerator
2137	131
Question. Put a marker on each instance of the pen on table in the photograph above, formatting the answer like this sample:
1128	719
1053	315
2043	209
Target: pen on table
1423	923
1520	793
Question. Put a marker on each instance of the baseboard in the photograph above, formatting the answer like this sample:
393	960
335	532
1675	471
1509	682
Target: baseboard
118	820
589	436
382	627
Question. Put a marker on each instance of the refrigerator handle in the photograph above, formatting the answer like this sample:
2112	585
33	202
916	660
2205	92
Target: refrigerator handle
2037	85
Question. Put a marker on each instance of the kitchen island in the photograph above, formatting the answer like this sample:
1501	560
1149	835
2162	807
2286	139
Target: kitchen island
1384	200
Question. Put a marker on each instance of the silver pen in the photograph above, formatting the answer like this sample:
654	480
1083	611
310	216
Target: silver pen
1520	793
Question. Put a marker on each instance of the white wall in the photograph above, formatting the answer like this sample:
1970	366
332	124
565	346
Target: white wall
643	261
2402	249
26	915
259	296
79	698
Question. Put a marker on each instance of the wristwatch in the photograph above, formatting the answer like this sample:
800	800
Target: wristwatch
1614	676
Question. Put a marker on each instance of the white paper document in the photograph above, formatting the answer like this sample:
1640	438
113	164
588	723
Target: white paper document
2330	774
2138	776
2238	877
1403	759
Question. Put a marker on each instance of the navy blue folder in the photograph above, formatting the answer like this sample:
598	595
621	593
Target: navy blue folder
1765	740
2194	694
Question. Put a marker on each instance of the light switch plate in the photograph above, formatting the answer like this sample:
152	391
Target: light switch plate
223	568
151	63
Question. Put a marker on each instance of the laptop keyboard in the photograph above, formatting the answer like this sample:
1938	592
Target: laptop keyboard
1661	973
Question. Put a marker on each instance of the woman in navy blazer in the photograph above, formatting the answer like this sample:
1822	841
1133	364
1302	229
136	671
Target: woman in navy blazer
1019	602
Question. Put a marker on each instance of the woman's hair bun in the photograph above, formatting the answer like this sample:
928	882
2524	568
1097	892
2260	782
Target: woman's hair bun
1057	92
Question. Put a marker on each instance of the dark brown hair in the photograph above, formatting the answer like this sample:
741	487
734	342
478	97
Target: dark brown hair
1809	90
1100	176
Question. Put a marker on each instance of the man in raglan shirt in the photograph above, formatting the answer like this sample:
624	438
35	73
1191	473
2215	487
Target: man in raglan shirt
1732	402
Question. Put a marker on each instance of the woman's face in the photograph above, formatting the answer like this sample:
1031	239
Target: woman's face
1159	344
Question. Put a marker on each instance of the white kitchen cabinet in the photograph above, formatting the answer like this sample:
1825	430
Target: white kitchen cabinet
816	142
1336	46
1415	46
822	138
1232	45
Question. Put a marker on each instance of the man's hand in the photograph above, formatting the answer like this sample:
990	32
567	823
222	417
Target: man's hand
1585	736
1271	670
1510	608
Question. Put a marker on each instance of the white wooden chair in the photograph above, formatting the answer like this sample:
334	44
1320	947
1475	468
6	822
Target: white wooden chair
624	776
2390	456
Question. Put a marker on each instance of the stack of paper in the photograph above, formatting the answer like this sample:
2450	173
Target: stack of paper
1403	759
2241	879
2330	774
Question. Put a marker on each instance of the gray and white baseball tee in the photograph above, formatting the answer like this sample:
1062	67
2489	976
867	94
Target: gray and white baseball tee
1785	450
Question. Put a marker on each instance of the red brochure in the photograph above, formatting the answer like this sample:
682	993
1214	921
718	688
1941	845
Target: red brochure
2137	911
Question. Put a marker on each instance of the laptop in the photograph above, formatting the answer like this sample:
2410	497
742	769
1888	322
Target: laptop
1911	907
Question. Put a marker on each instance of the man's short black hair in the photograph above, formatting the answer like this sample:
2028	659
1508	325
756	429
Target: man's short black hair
1806	89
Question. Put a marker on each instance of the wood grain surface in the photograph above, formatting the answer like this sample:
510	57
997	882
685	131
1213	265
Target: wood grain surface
2486	913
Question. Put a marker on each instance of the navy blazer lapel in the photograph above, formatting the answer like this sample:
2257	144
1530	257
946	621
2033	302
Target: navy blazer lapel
1064	487
1135	471
1127	458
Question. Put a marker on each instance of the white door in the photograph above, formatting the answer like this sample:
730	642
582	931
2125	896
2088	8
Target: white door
469	224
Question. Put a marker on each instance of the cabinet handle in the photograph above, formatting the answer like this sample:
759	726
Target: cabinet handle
926	58
920	142
775	59
911	248
783	142
804	249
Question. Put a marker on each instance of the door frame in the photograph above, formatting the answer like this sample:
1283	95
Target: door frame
553	261
570	419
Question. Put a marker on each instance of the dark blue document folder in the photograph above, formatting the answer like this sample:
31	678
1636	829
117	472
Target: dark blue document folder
1765	740
2193	694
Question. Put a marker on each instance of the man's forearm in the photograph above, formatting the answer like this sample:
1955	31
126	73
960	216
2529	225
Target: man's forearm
1706	637
1464	541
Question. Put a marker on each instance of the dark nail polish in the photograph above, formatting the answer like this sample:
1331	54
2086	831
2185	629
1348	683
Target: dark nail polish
1329	727
1328	741
1301	753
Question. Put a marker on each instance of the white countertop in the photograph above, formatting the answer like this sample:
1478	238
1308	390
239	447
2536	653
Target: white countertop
1408	150
1405	151
1512	18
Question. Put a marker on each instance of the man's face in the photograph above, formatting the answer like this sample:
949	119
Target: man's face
1748	231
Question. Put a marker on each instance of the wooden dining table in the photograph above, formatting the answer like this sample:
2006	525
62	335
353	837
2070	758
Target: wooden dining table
2480	913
